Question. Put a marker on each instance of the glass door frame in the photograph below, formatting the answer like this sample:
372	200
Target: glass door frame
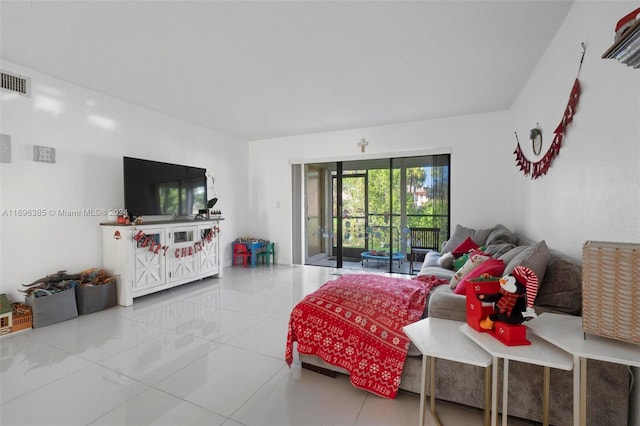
404	216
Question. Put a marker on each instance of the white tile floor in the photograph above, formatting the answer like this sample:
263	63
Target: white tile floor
205	353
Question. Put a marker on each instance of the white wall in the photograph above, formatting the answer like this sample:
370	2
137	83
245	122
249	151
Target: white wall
91	132
592	191
481	149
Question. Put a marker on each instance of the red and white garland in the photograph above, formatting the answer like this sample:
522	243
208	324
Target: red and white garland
156	248
540	167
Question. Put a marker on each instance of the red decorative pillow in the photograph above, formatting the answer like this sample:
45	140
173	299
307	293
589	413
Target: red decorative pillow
492	267
465	246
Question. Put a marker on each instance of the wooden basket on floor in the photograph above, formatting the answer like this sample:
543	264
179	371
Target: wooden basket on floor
611	290
22	317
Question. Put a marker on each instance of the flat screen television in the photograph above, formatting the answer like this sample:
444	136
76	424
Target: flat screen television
157	188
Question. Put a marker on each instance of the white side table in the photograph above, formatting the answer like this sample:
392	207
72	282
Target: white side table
539	352
441	338
565	331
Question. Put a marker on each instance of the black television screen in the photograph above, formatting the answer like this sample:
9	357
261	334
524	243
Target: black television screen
156	188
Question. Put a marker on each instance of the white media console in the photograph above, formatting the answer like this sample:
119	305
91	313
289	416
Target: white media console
156	256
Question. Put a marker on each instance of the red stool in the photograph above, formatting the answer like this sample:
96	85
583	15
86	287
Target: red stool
240	250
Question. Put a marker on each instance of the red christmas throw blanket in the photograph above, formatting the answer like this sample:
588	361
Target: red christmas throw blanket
355	322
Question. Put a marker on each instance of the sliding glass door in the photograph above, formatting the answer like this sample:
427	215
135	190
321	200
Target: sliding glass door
314	211
359	212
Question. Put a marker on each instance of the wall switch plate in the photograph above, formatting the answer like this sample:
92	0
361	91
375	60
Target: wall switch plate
44	154
5	149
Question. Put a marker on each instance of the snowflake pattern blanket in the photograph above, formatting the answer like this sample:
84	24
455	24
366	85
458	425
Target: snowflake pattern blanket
355	322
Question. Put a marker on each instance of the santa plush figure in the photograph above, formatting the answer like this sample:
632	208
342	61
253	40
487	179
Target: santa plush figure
513	304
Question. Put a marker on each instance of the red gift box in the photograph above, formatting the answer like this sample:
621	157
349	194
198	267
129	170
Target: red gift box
476	309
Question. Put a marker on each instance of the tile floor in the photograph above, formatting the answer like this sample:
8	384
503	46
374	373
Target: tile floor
375	266
205	353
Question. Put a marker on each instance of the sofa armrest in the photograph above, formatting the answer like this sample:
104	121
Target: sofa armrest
447	305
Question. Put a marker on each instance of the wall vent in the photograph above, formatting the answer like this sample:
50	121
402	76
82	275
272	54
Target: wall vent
16	83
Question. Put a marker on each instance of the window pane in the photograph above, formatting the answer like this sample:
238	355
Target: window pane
381	199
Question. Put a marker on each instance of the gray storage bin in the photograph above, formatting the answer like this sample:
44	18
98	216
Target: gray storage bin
94	298
54	308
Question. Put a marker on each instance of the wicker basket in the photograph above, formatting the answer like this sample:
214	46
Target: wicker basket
611	290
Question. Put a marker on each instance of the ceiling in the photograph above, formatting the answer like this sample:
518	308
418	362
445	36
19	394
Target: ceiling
267	69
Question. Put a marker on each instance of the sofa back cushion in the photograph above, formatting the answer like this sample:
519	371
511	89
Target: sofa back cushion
561	289
461	233
509	255
500	234
498	249
535	257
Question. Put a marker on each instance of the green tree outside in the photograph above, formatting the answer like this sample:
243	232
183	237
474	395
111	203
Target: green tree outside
426	205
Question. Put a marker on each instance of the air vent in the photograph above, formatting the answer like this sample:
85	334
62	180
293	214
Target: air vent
16	83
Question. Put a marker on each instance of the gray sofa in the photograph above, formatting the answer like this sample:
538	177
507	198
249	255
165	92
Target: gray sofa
560	289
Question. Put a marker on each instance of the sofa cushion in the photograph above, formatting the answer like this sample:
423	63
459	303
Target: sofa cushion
436	271
460	261
492	267
461	233
446	261
480	236
511	254
561	289
472	263
501	234
431	259
446	305
496	250
458	236
534	257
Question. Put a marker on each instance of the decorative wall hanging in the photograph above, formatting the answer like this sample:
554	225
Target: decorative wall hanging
540	167
536	139
362	144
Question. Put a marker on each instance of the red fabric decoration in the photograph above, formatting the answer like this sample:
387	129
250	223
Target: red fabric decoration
540	167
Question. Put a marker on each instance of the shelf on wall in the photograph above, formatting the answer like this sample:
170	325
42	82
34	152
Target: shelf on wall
626	49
